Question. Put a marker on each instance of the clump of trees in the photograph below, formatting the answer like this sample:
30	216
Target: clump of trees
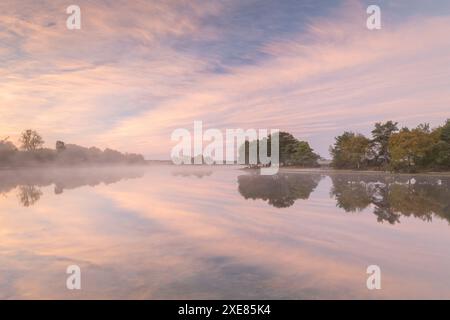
404	150
292	152
31	152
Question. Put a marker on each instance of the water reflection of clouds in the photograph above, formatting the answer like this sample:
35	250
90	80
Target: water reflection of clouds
166	236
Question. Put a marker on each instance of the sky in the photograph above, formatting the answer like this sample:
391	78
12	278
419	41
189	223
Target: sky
137	70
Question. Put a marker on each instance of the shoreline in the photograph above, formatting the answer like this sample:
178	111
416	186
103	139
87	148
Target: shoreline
350	171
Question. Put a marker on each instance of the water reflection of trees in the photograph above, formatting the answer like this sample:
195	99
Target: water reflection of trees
280	190
391	197
29	182
192	173
29	195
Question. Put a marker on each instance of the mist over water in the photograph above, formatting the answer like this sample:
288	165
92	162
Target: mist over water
168	232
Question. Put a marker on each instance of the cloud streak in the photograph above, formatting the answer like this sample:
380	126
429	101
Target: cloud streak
136	72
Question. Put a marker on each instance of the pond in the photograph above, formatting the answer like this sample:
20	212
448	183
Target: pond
170	232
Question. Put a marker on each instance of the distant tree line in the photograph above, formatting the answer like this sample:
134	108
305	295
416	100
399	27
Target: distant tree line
31	152
404	150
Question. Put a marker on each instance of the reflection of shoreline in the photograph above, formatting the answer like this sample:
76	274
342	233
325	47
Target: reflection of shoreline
30	181
195	173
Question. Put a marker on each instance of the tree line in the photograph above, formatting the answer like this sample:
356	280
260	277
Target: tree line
394	149
388	149
31	152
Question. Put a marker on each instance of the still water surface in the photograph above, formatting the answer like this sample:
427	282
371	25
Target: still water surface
168	232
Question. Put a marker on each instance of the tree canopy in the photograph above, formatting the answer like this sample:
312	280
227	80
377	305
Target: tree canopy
350	151
407	150
380	141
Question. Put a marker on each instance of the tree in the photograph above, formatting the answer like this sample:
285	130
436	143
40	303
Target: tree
288	144
60	146
292	152
7	151
303	155
380	141
350	151
30	140
439	155
7	146
445	132
409	148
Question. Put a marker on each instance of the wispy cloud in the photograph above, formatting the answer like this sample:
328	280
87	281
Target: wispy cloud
137	71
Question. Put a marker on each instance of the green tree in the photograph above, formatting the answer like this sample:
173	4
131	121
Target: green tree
380	141
409	149
30	140
303	155
439	155
350	151
445	132
292	152
288	144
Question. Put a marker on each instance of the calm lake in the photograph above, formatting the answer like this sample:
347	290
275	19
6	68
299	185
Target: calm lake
168	232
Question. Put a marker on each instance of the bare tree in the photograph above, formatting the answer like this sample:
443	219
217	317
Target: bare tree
30	140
